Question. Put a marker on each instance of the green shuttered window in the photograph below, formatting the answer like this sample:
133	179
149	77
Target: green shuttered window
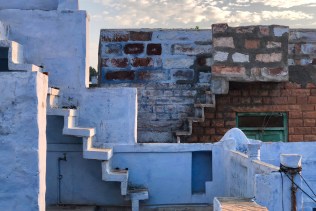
269	127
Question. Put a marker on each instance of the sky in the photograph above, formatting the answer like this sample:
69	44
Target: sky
113	14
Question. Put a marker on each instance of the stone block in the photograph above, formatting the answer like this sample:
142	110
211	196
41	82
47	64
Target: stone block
191	49
228	70
239	57
266	58
115	48
264	30
134	48
245	29
273	44
151	76
279	31
227	42
205	77
178	62
181	74
140	36
219	28
221	56
182	35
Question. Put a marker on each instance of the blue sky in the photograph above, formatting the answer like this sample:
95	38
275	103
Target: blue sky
109	14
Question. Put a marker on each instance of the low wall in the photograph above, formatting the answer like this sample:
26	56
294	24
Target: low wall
165	169
271	154
23	140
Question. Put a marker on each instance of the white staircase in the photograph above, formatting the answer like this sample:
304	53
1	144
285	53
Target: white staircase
89	152
199	115
16	61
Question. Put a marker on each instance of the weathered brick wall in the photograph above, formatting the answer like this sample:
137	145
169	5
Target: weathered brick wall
302	47
250	53
298	101
170	68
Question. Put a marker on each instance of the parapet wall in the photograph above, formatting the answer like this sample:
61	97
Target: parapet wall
172	69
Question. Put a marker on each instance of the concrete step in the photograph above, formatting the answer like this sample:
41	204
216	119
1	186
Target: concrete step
89	152
61	112
16	61
235	203
109	174
79	131
137	194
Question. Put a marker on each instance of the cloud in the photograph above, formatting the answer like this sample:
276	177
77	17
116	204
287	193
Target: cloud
284	3
189	13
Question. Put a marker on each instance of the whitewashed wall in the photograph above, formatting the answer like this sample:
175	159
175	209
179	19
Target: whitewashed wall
23	140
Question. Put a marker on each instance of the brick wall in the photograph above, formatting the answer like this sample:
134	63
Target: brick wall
298	101
250	53
170	68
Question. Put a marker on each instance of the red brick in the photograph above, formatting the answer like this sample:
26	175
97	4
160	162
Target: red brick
295	114
257	100
294	107
142	62
210	131
230	124
221	131
295	122
310	85
291	130
291	85
252	44
274	93
307	107
313	92
204	139
301	92
309	114
154	49
309	122
309	137
302	100
312	99
230	115
209	115
119	62
303	130
198	130
216	138
120	75
135	48
235	92
295	138
218	123
280	100
140	36
291	100
285	92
